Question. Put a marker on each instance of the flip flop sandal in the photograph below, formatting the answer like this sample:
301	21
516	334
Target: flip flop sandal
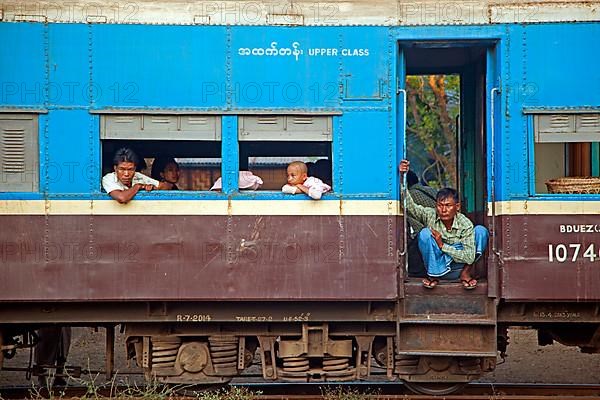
469	284
430	283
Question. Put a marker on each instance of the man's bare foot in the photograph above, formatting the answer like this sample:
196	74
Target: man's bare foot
466	279
469	284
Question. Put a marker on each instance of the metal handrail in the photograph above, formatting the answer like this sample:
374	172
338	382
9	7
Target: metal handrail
493	92
403	181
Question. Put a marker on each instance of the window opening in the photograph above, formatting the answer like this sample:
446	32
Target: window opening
268	143
193	141
566	146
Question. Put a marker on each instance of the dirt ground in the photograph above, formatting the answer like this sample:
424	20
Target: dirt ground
526	362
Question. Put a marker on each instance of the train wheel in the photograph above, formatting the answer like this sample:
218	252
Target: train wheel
434	389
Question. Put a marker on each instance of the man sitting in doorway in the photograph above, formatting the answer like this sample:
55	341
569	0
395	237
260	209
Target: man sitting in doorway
124	183
449	243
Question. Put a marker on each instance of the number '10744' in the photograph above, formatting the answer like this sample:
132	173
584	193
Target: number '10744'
571	252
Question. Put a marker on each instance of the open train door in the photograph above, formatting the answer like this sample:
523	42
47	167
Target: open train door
401	141
447	336
493	129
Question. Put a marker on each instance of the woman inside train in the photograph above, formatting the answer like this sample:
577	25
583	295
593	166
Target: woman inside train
166	170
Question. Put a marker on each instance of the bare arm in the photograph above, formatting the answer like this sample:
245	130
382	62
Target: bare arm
417	211
302	188
124	196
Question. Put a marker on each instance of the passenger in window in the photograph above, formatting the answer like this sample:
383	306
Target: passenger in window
298	181
323	170
166	171
449	243
124	183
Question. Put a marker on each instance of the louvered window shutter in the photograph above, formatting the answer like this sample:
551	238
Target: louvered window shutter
564	128
285	128
18	153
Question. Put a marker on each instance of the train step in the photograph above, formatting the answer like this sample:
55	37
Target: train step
414	286
446	339
447	303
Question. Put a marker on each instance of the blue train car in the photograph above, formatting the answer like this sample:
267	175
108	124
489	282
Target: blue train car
203	280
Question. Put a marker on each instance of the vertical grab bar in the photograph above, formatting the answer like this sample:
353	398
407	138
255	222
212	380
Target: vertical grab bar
459	157
493	93
403	181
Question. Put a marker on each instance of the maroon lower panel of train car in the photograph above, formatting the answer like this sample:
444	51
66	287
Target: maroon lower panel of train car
198	257
550	257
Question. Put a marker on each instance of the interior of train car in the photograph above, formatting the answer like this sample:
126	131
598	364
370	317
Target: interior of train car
564	146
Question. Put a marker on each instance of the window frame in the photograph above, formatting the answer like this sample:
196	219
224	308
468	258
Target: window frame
177	115
327	137
532	117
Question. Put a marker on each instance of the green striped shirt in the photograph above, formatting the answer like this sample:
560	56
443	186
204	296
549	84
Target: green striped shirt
461	231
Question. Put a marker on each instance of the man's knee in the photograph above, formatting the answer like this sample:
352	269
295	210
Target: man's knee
425	240
424	235
481	232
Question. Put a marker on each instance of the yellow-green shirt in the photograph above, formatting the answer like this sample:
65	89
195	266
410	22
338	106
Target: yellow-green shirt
461	231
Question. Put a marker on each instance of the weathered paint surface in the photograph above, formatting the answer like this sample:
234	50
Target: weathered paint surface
270	257
197	258
550	257
304	12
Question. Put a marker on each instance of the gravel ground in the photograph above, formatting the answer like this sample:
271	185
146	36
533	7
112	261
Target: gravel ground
526	362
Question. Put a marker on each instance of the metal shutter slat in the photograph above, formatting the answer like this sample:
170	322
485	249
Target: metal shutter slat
18	153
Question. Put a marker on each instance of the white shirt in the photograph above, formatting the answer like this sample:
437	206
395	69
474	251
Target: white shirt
110	181
316	188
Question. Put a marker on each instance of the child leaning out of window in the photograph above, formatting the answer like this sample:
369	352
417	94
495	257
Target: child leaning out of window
298	181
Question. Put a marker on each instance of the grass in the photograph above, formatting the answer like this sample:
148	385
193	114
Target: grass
148	391
345	393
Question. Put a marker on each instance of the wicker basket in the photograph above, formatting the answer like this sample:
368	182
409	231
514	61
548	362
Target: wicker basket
574	184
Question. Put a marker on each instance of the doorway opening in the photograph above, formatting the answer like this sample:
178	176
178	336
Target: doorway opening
446	126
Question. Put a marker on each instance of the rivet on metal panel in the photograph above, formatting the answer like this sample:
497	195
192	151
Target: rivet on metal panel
389	357
241	353
390	230
46	151
230	248
146	352
228	83
392	211
342	232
